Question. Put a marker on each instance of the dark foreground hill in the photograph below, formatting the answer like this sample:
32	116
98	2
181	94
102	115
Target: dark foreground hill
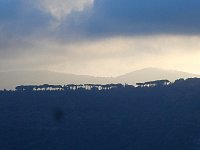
129	118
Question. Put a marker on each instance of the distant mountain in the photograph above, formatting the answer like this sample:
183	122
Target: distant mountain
11	79
150	74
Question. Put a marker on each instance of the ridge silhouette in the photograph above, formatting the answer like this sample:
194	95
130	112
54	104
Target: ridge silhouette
154	115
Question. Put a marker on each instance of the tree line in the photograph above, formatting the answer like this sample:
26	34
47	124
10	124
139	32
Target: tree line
156	83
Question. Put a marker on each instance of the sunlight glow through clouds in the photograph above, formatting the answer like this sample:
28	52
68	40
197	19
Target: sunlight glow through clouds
108	56
113	56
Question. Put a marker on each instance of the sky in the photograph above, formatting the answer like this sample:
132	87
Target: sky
99	37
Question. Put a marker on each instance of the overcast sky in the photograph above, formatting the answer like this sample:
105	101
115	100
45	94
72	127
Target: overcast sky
99	37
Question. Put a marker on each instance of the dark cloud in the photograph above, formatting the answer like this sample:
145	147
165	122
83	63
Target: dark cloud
20	22
127	17
20	17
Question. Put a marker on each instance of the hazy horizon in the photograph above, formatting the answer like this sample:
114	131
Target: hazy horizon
93	75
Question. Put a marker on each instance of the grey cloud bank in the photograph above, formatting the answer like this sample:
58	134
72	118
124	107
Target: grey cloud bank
133	17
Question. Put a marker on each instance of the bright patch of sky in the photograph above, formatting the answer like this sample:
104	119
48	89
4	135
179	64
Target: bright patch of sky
60	9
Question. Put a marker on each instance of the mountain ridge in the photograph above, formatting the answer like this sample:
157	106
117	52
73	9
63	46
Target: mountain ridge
149	74
11	79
